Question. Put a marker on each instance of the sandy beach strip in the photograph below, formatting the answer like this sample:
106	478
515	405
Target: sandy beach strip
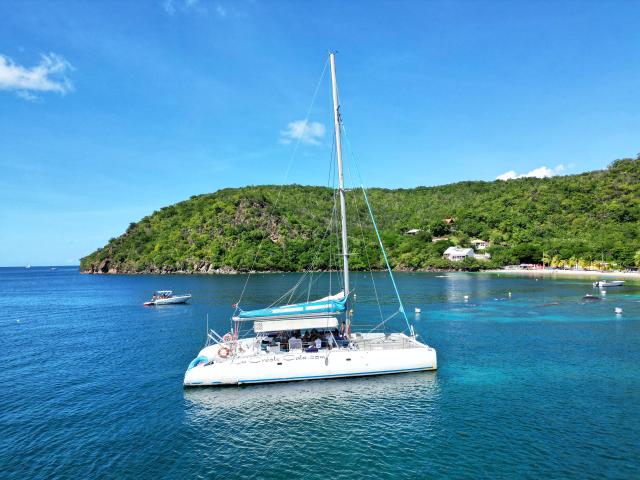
569	273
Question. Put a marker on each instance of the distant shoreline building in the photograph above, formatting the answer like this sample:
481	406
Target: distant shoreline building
480	244
457	254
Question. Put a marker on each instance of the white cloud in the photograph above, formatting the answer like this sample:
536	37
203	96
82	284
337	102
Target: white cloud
169	7
221	11
540	172
30	97
173	6
304	132
47	76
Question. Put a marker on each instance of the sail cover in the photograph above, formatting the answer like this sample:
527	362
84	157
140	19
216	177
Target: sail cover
328	305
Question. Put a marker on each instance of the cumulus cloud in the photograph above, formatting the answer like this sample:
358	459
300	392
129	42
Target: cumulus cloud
50	75
304	132
221	11
30	97
173	6
540	172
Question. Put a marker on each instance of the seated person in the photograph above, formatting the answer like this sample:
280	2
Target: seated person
329	339
318	343
295	343
314	335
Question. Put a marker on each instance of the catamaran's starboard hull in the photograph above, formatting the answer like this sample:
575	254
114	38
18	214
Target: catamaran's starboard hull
298	366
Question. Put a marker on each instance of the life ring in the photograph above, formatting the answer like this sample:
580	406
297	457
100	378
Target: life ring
224	352
227	337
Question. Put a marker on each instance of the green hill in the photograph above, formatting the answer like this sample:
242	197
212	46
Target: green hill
591	217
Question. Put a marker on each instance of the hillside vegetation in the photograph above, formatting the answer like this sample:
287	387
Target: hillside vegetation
576	219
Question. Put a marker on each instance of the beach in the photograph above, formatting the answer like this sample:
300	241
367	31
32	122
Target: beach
568	273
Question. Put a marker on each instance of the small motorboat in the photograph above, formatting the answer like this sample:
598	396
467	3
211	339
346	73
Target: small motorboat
591	298
605	283
166	297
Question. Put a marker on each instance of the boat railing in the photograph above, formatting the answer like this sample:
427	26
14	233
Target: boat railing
384	343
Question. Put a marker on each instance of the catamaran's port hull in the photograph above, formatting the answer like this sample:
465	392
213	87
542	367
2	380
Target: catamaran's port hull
302	366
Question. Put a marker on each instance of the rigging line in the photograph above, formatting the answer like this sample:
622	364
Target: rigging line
293	289
364	243
386	260
385	320
375	226
310	273
286	176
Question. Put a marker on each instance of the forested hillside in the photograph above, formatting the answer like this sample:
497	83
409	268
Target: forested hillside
591	217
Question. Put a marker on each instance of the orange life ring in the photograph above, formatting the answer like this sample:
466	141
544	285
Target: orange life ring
227	337
224	352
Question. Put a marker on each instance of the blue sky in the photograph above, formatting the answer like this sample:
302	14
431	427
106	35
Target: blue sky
110	110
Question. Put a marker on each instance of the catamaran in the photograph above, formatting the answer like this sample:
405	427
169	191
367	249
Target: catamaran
312	339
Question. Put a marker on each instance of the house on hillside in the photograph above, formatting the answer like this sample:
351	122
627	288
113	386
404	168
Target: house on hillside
457	254
479	244
439	239
413	231
449	221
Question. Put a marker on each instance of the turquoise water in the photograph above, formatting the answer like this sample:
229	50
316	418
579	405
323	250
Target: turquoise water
534	385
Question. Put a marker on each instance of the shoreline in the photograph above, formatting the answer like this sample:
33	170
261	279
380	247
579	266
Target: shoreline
536	272
567	273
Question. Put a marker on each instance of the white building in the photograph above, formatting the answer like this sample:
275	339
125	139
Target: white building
480	244
457	254
413	231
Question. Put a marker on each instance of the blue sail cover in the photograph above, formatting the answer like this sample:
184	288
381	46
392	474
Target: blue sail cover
316	307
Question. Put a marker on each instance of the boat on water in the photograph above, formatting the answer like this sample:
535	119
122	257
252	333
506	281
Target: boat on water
591	298
312	339
166	297
608	283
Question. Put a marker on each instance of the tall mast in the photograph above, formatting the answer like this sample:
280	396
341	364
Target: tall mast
343	203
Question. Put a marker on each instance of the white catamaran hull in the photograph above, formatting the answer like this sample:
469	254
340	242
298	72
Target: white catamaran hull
266	367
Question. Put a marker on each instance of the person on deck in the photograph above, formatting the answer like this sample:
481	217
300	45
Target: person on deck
328	336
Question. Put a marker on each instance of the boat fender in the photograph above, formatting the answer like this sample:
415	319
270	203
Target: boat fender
224	352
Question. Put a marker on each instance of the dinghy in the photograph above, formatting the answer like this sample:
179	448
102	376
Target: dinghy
608	283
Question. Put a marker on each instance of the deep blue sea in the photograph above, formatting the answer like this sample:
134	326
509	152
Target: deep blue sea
535	385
